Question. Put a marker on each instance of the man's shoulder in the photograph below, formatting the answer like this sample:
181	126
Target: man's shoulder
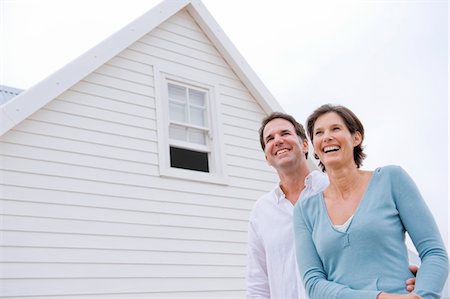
265	200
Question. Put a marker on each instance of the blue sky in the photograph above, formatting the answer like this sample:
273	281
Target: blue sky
385	60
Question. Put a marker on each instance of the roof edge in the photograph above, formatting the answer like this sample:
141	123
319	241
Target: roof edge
34	98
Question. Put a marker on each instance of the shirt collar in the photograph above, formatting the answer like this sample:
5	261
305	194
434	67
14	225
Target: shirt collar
279	194
311	183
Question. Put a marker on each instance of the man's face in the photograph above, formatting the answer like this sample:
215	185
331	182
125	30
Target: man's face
283	147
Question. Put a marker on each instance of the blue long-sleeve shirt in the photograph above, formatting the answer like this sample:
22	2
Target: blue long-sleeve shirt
371	256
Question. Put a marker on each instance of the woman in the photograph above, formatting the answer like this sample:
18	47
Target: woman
350	238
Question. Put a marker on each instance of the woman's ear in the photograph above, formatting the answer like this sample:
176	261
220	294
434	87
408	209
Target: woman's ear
357	138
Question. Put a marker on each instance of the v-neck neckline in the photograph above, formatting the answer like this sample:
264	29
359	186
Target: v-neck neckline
358	208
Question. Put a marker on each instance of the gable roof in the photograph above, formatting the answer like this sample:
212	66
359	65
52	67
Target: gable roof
20	107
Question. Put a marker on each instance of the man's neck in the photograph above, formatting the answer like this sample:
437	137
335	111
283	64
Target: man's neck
292	183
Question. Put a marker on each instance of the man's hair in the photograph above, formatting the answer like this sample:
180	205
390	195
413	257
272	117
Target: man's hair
299	129
351	121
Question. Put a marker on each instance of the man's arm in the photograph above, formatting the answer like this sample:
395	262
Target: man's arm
410	283
256	278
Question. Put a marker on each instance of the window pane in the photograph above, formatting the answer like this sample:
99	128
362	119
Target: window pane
177	92
177	112
188	159
178	133
198	117
197	136
196	97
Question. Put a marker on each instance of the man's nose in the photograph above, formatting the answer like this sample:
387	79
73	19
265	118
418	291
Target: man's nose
278	139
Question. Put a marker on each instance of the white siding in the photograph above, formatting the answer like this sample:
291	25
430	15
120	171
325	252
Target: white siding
85	213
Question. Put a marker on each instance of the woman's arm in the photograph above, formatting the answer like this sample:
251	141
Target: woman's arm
420	225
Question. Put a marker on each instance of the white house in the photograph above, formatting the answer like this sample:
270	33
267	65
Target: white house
131	171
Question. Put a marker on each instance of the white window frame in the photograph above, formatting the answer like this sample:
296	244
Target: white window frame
216	159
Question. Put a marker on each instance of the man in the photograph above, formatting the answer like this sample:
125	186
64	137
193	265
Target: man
271	266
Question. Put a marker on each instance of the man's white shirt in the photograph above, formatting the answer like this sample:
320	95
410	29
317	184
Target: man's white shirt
271	263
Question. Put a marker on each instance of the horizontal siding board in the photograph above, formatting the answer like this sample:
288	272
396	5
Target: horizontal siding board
124	271
105	151
145	167
243	152
253	184
99	113
96	215
121	84
91	241
72	133
269	175
134	66
148	202
230	121
46	168
99	125
175	68
187	294
55	183
125	75
188	216
110	177
257	163
106	104
192	33
102	256
126	287
185	49
182	40
179	58
146	100
110	228
238	112
228	100
236	92
240	138
246	142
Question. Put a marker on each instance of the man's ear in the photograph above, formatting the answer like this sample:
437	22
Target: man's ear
305	145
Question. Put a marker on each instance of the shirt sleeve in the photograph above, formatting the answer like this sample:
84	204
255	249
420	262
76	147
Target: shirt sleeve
423	230
310	266
257	279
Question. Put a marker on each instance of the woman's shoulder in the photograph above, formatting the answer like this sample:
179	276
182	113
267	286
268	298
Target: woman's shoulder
310	202
389	169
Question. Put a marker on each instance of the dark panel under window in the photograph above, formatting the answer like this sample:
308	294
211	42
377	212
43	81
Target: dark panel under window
188	159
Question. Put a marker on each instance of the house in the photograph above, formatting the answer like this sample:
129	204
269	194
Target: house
131	171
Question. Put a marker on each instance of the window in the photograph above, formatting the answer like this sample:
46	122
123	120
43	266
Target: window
190	145
188	128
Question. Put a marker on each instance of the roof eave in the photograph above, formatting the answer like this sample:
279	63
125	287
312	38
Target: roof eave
40	94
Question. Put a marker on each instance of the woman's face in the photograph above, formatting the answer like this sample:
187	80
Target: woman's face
333	142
